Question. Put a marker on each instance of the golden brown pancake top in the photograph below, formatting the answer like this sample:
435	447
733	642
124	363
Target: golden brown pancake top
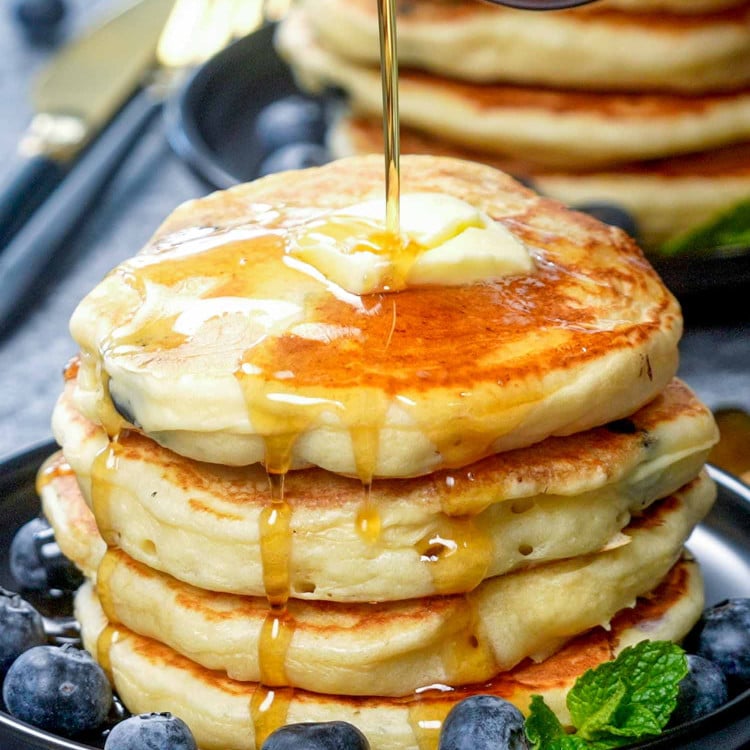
423	338
280	351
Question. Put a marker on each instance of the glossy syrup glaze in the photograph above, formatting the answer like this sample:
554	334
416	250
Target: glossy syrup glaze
303	352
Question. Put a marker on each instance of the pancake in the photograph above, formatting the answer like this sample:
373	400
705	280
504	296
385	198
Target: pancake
601	48
75	527
561	498
270	355
665	196
673	6
555	127
394	648
225	714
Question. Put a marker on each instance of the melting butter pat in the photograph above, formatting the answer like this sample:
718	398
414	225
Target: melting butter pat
473	255
443	241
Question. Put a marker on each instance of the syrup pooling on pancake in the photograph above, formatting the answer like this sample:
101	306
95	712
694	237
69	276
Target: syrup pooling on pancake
232	325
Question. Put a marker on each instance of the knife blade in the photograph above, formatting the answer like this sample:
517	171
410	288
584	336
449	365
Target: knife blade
74	98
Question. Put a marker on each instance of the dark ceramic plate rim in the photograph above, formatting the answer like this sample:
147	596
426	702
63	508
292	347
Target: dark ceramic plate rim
689	275
730	723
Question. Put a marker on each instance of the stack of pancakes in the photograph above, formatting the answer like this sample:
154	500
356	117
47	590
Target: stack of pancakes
294	503
641	103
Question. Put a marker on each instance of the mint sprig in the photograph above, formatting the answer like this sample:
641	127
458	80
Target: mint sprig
728	228
616	703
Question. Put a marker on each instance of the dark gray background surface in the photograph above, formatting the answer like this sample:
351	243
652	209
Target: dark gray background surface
715	358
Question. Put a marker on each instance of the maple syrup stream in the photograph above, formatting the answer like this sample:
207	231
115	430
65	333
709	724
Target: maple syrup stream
389	79
271	700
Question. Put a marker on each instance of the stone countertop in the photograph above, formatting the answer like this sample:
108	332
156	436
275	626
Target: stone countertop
715	356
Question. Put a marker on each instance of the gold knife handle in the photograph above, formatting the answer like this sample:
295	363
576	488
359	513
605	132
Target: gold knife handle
58	137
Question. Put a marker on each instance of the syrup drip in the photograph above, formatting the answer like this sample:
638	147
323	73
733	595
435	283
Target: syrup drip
365	444
458	554
467	655
270	704
269	709
275	638
426	720
368	521
103	588
103	471
389	80
106	414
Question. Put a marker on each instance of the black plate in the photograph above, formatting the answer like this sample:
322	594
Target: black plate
721	543
210	126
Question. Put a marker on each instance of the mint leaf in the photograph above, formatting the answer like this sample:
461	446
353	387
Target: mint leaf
542	725
545	732
615	703
730	227
632	696
604	713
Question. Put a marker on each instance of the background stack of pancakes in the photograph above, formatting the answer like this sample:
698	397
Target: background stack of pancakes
500	476
641	103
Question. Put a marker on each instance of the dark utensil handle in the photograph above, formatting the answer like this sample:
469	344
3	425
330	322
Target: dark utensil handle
24	190
28	255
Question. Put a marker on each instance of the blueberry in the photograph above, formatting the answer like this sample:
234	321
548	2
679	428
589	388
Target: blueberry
25	564
21	628
723	637
124	410
36	561
294	156
58	688
609	213
151	732
483	722
330	735
289	120
40	19
702	691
